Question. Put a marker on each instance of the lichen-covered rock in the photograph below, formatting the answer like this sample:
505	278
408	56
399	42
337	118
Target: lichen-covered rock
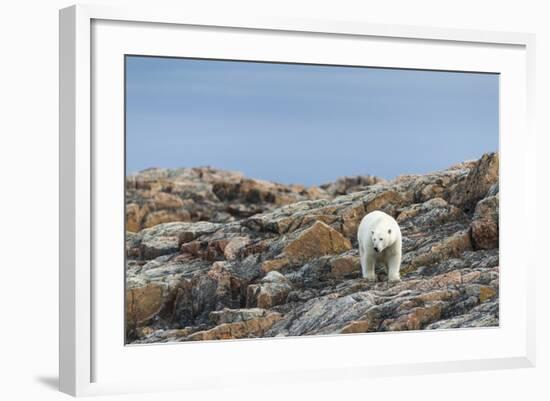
234	246
351	218
323	315
167	238
388	201
134	216
270	291
477	183
484	225
142	304
157	196
451	246
415	318
484	315
274	264
348	185
243	329
345	266
164	216
258	259
318	240
227	315
215	289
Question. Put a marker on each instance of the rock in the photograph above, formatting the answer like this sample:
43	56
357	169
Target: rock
287	218
431	212
234	246
345	266
132	245
165	216
133	217
197	194
387	201
351	218
167	238
252	191
451	246
324	315
318	240
159	245
208	250
143	303
356	326
150	335
236	315
272	290
244	329
486	293
260	259
484	315
219	288
163	200
347	185
274	264
416	319
484	225
479	181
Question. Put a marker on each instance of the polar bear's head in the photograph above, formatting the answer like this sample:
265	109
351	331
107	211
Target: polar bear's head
381	239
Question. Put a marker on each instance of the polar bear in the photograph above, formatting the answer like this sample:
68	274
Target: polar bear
379	240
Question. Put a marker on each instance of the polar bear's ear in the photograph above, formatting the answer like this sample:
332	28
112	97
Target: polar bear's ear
389	231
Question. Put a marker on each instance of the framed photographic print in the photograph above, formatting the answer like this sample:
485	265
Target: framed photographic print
279	187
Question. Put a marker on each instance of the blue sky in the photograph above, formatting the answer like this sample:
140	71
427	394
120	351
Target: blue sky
304	124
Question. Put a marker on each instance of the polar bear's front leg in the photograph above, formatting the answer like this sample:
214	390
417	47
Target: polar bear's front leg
394	265
367	264
370	264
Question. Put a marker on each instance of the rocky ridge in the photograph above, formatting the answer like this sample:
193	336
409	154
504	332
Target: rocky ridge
156	196
242	258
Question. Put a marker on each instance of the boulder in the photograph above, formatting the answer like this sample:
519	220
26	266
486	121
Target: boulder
478	182
351	218
484	225
167	238
388	201
143	303
134	216
345	266
272	290
315	241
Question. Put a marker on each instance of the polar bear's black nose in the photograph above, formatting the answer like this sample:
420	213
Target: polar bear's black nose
376	249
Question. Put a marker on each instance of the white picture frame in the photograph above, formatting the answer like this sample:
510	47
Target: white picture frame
92	39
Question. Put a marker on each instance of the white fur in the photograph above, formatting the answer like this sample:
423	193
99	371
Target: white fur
379	230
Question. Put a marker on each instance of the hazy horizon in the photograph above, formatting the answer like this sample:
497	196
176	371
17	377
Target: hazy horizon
304	124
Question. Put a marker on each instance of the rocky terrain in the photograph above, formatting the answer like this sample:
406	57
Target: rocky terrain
214	255
157	196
